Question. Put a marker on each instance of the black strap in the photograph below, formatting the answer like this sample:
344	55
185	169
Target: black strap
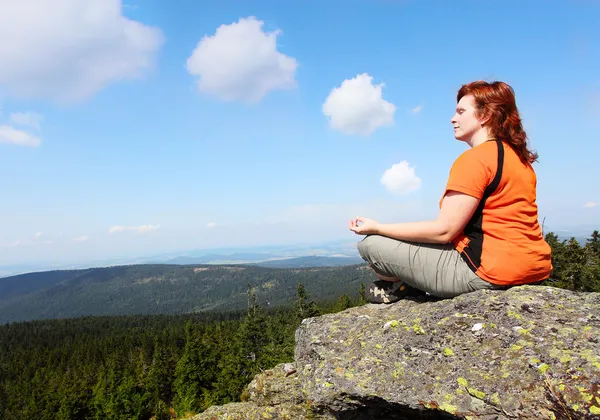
474	230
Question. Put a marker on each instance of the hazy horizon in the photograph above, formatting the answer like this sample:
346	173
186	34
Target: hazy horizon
337	247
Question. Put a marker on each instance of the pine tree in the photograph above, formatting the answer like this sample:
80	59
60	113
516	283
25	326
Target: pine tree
194	374
594	242
158	381
122	397
3	396
592	263
303	306
43	395
558	257
574	270
280	334
130	401
245	353
74	399
343	303
141	367
99	398
253	334
232	376
362	295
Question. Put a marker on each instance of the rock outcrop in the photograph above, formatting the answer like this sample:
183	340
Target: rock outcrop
531	352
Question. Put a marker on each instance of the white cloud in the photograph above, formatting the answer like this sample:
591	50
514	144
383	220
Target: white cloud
81	238
29	119
138	229
38	235
357	107
241	62
11	135
211	225
416	109
590	204
401	178
70	49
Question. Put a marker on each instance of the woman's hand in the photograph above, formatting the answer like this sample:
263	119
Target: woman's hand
367	227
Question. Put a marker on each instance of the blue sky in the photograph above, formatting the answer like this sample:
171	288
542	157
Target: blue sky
143	127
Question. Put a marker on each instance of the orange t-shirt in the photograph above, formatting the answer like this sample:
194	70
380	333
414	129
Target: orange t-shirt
503	242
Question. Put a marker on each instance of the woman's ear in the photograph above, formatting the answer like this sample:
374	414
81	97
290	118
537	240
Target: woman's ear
484	120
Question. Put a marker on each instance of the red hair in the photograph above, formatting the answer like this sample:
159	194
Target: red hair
496	102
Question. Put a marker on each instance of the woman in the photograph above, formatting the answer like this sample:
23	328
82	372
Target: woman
487	234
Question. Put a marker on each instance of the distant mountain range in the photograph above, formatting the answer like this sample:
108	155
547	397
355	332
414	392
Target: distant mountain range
172	289
295	262
342	252
311	262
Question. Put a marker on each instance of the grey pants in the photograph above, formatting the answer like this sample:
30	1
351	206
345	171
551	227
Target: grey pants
436	269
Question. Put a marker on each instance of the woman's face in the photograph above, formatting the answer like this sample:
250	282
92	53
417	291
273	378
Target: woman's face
464	121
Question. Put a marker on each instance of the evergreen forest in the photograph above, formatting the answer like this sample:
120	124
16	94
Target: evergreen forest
175	365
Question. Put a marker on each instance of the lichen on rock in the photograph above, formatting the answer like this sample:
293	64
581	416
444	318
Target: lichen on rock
527	352
487	354
273	394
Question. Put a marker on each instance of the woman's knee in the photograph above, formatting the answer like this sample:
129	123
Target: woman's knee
371	248
364	247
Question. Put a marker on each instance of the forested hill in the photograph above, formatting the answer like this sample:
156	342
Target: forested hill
166	289
175	289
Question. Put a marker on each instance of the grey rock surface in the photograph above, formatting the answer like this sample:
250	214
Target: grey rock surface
274	394
530	352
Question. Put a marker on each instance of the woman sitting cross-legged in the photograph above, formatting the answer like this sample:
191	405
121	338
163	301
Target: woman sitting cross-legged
487	234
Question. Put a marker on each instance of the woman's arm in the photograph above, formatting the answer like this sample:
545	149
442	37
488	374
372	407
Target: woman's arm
456	210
